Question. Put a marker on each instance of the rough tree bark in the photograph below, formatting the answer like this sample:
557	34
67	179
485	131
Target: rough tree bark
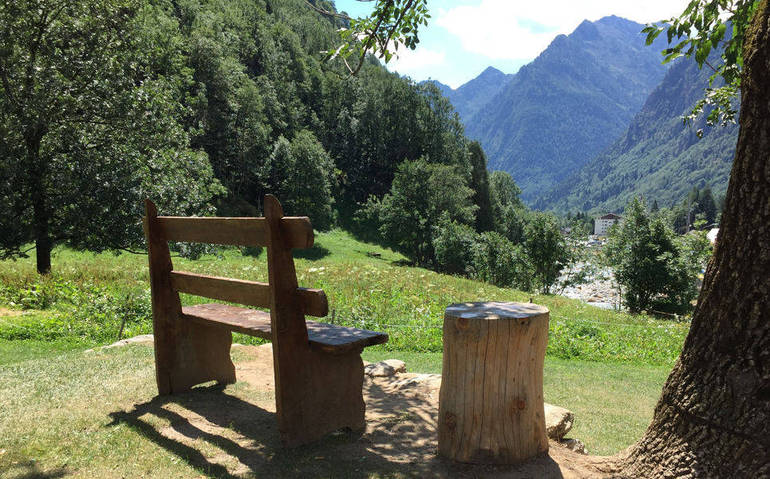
712	418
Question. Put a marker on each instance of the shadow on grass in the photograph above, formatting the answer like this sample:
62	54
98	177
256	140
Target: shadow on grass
400	441
403	262
31	470
312	254
371	254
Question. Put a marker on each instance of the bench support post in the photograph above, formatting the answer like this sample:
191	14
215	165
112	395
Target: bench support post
186	354
316	393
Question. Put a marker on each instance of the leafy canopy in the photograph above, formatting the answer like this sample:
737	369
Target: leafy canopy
91	125
391	24
656	269
703	27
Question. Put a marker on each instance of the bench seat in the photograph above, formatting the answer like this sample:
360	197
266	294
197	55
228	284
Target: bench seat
330	338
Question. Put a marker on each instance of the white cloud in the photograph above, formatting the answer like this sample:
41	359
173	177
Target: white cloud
416	63
520	30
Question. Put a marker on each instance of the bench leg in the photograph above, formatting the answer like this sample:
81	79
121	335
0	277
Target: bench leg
201	354
331	398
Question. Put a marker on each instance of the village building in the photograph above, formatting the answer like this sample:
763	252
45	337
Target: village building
602	224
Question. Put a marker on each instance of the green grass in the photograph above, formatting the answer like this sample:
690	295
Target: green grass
607	367
89	295
62	412
20	351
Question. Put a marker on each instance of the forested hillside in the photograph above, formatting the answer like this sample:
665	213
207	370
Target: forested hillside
202	105
658	157
570	103
276	119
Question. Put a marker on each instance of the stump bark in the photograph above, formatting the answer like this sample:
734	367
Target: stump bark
491	398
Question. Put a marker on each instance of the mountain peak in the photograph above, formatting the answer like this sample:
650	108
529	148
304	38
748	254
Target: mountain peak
616	21
568	104
489	71
469	97
586	31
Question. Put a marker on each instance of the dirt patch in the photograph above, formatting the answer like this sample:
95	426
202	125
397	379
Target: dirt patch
8	313
233	433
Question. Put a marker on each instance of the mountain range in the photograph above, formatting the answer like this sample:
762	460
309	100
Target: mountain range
658	157
594	120
471	97
567	105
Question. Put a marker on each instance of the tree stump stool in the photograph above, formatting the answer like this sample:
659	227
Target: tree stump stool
491	398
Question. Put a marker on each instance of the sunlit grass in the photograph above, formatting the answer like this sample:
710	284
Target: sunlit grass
608	367
88	296
75	392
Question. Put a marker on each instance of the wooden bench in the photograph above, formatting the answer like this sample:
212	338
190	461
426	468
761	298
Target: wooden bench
318	368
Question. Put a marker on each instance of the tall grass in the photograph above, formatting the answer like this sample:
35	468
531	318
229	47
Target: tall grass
89	296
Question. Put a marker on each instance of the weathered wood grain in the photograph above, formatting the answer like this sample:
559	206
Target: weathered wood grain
318	368
316	393
323	337
297	230
185	354
250	293
491	398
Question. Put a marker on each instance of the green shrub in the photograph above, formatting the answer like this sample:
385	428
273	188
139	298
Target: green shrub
421	196
657	270
84	311
498	261
454	244
546	249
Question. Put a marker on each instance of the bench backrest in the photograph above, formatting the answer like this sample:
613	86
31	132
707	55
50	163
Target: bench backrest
279	234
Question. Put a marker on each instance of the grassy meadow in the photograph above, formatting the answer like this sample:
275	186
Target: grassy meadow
608	367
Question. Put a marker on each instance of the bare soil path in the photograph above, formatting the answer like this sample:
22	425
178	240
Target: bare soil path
232	433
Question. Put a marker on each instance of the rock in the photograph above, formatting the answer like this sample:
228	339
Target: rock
141	339
575	445
389	367
558	421
430	381
396	364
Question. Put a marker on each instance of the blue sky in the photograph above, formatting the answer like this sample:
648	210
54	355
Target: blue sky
463	37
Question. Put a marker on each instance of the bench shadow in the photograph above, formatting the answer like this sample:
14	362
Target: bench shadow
400	439
247	437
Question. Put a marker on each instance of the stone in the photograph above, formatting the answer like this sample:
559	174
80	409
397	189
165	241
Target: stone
398	365
431	382
141	339
387	368
575	445
558	421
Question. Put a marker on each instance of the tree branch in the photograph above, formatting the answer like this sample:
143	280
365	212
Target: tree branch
710	66
373	36
398	20
327	12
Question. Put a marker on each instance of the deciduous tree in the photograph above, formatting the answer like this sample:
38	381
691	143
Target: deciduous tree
87	129
711	420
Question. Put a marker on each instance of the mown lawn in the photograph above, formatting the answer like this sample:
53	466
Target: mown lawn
61	414
56	399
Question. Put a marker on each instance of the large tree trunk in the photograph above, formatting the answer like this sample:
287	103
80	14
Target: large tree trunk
713	417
